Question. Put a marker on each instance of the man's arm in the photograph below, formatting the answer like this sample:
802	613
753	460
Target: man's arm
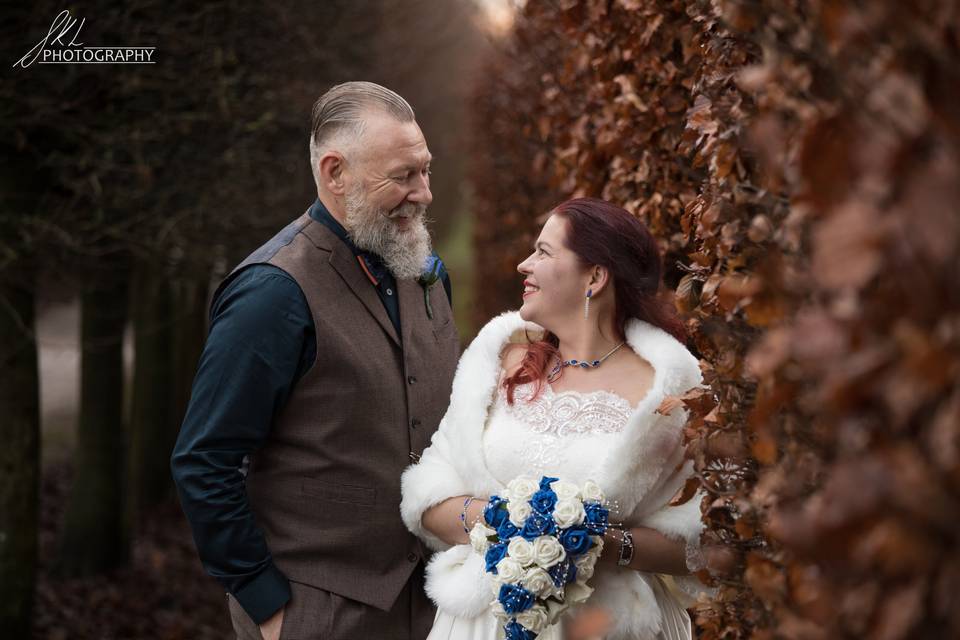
261	341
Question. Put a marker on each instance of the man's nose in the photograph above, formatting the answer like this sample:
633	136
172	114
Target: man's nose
421	194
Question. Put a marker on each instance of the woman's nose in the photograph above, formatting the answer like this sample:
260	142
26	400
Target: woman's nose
523	268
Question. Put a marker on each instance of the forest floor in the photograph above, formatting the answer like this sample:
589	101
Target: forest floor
163	594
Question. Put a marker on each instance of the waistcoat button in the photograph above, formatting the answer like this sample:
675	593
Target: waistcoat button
412	379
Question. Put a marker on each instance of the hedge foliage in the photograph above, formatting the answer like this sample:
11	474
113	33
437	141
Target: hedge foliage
800	163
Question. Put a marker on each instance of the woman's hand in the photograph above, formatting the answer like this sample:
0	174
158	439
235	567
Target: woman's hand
443	519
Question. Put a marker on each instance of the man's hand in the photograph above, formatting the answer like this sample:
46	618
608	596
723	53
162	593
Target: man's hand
270	630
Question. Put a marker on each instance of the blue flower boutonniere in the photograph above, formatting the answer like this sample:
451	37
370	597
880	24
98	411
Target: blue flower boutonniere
433	270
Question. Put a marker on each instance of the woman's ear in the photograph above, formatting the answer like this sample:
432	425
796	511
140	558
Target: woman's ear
599	277
332	166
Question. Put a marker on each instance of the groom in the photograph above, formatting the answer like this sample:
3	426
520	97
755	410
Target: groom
327	368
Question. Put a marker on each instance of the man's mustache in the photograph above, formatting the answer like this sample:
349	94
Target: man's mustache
408	210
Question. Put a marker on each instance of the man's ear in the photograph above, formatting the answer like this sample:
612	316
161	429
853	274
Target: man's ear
332	166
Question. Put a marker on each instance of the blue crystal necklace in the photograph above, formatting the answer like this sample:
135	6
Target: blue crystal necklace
583	364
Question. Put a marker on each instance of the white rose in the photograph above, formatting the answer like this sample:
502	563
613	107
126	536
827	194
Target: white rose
509	570
554	609
575	593
538	582
497	610
520	550
547	551
519	512
521	489
585	567
534	618
568	513
592	492
478	537
565	490
597	548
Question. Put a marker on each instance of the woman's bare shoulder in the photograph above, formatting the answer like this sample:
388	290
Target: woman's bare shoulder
632	377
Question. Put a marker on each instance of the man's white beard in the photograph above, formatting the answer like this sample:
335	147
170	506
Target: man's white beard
404	251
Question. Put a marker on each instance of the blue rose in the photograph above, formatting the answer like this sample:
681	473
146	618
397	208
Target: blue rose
563	573
516	631
544	501
495	554
597	518
433	270
538	525
576	540
515	599
495	512
507	530
546	481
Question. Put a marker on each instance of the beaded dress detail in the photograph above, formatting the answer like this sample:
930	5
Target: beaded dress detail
557	433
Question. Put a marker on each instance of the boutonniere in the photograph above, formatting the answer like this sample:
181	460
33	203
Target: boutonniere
433	270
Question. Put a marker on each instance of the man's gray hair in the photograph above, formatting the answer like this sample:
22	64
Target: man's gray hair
338	116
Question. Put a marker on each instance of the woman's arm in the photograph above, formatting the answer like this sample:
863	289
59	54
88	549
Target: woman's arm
653	552
443	519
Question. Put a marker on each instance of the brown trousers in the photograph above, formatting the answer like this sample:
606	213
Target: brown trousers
315	614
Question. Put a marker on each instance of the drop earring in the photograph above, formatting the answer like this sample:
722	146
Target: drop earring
586	304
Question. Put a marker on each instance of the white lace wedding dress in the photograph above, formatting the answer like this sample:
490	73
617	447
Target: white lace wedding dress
561	434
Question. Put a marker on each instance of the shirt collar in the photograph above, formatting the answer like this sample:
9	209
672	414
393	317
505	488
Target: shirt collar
371	263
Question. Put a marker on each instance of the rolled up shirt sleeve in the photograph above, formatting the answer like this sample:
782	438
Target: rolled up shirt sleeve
261	341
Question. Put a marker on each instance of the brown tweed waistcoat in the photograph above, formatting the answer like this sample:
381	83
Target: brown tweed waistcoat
325	486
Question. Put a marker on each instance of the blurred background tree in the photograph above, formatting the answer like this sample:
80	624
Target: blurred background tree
130	189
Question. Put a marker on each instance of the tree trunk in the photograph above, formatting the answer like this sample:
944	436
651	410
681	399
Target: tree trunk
19	456
95	538
152	430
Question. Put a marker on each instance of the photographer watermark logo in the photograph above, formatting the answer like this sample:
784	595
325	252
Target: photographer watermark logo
60	46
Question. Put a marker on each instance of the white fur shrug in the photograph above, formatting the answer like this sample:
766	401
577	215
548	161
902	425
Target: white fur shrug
641	473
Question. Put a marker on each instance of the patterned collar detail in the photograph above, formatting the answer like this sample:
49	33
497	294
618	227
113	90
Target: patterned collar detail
372	266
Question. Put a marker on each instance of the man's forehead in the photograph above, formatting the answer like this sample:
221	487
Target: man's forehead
396	141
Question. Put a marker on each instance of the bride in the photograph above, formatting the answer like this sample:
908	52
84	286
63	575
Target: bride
521	406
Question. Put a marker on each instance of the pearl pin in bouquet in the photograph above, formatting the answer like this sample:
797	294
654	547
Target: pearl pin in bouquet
540	541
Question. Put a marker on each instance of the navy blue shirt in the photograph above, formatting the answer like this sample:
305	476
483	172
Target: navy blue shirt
261	342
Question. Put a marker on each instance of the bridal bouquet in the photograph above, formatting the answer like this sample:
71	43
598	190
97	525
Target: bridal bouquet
540	542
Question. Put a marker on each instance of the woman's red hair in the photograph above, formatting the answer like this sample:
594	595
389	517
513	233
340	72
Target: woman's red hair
603	234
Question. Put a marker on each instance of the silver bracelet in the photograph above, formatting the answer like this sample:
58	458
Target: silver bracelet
463	514
626	548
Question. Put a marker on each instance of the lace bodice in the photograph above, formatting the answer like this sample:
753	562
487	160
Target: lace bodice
564	433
